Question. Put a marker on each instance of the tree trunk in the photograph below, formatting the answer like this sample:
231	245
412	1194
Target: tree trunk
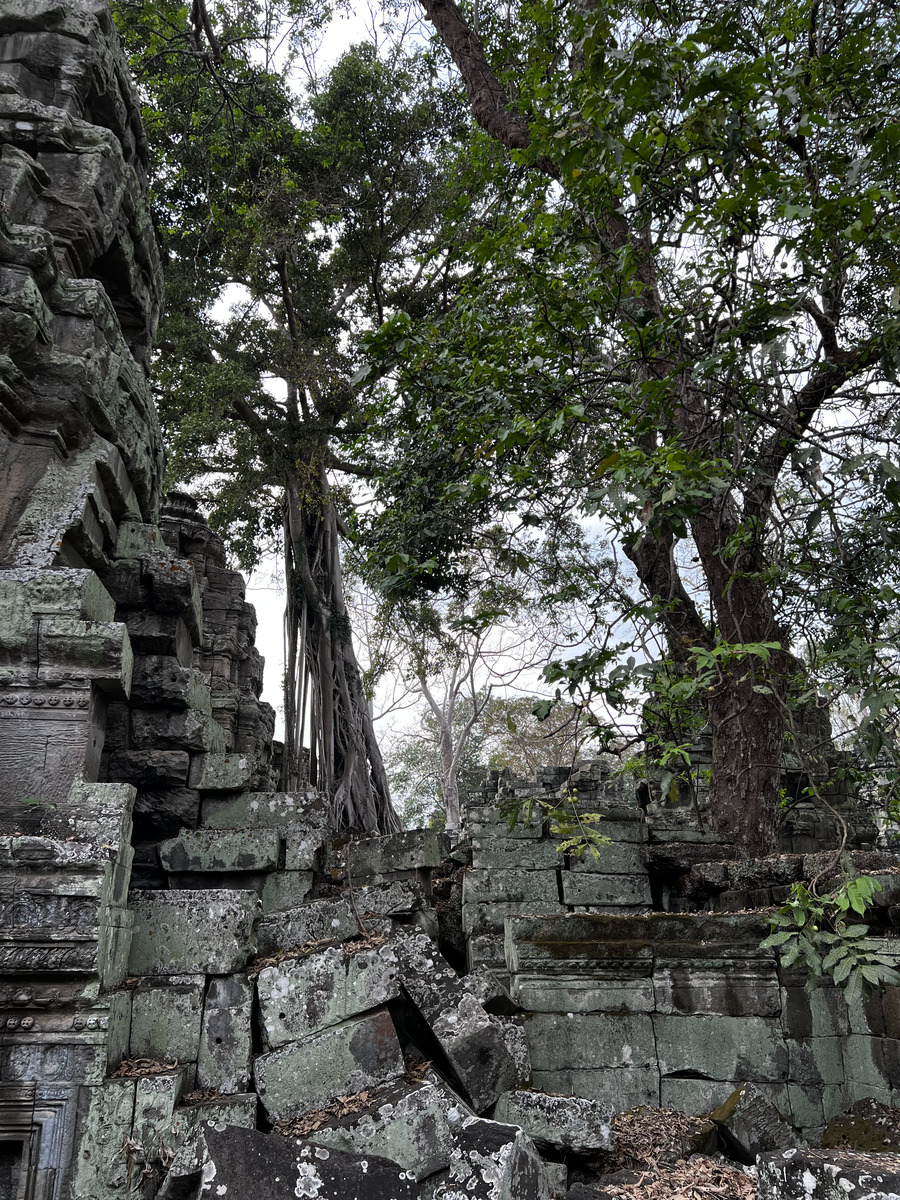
346	763
450	785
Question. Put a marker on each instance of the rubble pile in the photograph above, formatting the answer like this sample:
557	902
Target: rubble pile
205	990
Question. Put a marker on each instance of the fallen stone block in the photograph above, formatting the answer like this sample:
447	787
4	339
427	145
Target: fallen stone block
558	1122
408	1123
225	1045
301	996
341	1060
750	1116
208	932
827	1175
309	922
395	898
221	850
474	1045
218	1110
235	1162
492	1161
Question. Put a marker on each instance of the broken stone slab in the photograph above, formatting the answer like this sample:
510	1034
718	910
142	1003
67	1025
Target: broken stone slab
471	1040
341	1060
309	922
408	1123
512	1031
165	1018
155	1101
827	1175
221	850
558	1122
487	988
299	997
239	1163
493	1161
220	1111
750	1116
225	1040
192	932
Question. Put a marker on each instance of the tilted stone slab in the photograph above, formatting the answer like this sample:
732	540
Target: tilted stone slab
339	1061
187	932
308	923
473	1043
492	1161
408	1123
396	897
221	850
827	1175
242	1163
559	1122
300	997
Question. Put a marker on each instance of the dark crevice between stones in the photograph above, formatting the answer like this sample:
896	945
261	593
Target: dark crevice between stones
413	1032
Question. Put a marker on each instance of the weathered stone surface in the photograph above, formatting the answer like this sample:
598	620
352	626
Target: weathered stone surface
99	1171
237	1110
870	1126
341	1060
510	853
225	1040
245	1163
192	931
396	852
590	1040
299	997
394	898
408	1123
560	1122
749	1048
622	1087
472	1043
606	891
221	772
250	809
309	923
284	890
155	1100
750	1116
827	1175
491	1161
505	886
221	850
165	1018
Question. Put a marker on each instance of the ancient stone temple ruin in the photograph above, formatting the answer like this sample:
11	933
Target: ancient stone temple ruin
204	991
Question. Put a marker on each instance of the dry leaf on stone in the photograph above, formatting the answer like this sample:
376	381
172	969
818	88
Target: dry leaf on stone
134	1068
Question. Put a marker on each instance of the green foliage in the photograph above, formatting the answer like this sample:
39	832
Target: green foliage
813	932
576	830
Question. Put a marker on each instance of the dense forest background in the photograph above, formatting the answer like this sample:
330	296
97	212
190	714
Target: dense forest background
542	336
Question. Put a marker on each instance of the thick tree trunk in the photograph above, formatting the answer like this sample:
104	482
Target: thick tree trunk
346	763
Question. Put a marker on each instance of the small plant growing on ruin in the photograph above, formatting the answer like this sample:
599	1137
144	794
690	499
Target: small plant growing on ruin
576	829
814	931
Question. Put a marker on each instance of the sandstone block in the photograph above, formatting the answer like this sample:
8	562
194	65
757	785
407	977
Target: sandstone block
491	1161
507	887
827	1175
300	997
263	808
225	1039
221	850
208	932
286	890
740	1048
560	1122
220	772
473	1044
309	923
408	1123
339	1061
165	1019
621	891
590	1040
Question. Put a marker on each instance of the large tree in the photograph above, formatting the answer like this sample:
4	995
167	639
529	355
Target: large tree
290	220
684	320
